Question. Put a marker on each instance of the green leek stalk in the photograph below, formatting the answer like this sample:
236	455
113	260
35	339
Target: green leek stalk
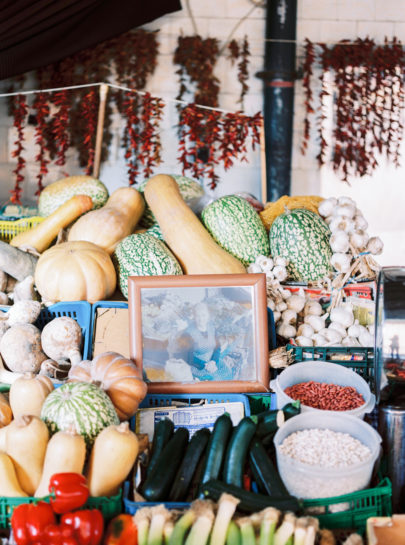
247	531
312	529
285	531
270	518
233	536
142	521
226	509
181	527
167	531
159	516
201	529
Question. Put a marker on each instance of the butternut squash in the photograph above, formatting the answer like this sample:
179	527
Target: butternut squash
113	454
111	223
182	231
28	393
6	414
9	485
41	236
26	441
66	452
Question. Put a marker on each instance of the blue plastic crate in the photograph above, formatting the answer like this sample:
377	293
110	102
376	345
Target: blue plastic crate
94	307
165	400
132	507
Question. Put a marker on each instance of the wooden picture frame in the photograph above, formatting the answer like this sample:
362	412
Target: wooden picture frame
206	333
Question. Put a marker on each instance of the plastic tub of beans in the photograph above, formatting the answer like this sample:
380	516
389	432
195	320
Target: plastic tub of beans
325	455
324	387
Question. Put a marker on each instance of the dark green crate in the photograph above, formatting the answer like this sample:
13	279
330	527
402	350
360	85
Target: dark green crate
372	502
110	507
261	402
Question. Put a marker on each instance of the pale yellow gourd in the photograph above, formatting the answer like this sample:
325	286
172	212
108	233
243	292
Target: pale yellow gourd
28	393
182	231
108	225
113	454
9	485
26	441
65	453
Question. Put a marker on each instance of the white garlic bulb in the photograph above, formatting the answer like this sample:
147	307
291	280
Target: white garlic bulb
313	307
316	322
339	327
345	210
296	302
319	340
281	305
286	330
354	330
285	294
303	341
264	261
280	261
341	262
370	329
271	304
328	220
327	206
375	246
360	221
342	315
323	331
339	223
359	239
366	339
289	316
350	341
254	268
305	330
280	273
346	200
276	315
339	241
268	272
333	336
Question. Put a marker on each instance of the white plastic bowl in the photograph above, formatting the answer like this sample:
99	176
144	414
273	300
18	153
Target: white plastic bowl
311	482
327	372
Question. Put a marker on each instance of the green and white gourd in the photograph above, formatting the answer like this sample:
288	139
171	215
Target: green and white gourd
302	237
82	405
155	231
190	190
236	226
143	255
54	195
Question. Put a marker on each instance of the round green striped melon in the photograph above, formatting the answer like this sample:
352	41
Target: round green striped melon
143	255
302	237
54	195
190	190
236	226
81	405
155	231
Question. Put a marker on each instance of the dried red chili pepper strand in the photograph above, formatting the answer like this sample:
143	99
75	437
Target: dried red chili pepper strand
243	70
149	149
131	135
61	125
20	111
306	84
89	113
42	112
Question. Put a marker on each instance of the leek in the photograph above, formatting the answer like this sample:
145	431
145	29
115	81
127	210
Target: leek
286	531
142	521
226	509
354	539
247	531
300	532
233	536
159	516
168	530
270	518
201	529
312	529
181	527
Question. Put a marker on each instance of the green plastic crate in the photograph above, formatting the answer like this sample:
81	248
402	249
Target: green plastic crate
110	507
359	359
372	502
261	402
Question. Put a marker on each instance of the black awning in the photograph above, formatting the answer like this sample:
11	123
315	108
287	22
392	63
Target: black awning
35	33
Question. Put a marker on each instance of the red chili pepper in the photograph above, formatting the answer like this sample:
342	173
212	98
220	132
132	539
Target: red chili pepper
88	525
29	521
59	534
70	490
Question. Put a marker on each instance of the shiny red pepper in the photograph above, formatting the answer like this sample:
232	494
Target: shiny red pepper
70	491
29	521
88	525
59	534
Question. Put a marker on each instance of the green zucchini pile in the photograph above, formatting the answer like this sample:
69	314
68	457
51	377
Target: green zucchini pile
209	464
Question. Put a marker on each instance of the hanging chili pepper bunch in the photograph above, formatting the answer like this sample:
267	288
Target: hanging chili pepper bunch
227	140
242	53
41	107
20	111
369	100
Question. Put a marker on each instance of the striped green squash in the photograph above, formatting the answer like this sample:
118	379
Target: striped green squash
302	237
143	255
82	405
190	190
55	194
236	226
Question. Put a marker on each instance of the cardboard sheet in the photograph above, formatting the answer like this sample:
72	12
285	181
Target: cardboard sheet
111	331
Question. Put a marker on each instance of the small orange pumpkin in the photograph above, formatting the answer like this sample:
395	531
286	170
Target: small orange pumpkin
6	414
118	376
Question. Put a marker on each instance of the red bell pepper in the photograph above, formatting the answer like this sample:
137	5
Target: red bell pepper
88	525
29	521
70	492
122	530
59	534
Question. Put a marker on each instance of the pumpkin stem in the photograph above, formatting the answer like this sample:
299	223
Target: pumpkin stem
123	427
97	383
28	375
23	420
286	209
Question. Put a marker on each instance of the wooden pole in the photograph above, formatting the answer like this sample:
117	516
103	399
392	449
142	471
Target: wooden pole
263	164
100	129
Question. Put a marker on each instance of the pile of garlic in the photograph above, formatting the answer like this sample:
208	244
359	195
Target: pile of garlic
349	237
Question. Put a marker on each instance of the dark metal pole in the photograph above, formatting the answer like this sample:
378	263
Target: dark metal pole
278	77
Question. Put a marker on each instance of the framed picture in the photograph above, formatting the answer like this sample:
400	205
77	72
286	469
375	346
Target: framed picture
200	333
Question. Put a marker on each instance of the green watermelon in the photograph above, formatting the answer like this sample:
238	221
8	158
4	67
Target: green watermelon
82	405
155	231
55	194
236	226
302	237
143	255
190	190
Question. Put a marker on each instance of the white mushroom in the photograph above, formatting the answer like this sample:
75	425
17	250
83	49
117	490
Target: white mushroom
61	339
24	312
21	348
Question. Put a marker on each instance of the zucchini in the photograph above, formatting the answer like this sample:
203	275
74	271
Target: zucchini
159	481
269	421
237	450
217	447
194	452
250	502
266	476
193	491
162	433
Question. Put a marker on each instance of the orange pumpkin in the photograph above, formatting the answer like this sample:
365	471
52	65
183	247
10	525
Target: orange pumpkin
122	530
118	376
6	414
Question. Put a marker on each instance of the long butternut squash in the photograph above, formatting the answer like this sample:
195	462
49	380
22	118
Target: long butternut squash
9	485
188	239
41	236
